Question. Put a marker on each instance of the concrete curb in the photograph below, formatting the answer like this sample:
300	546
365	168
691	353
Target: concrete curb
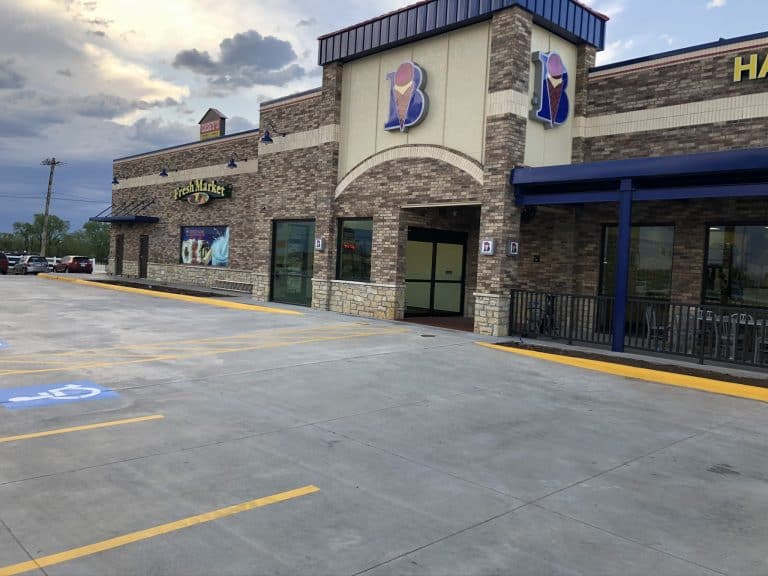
170	296
657	376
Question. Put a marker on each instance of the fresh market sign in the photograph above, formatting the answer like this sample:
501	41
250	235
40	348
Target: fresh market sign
200	192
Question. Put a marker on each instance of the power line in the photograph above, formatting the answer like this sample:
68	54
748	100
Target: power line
56	198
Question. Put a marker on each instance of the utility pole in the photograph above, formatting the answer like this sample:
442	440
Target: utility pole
52	162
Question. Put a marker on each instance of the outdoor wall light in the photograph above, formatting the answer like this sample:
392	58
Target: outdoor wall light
115	180
267	137
232	163
164	172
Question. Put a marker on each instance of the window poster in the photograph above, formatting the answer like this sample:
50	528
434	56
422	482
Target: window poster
205	245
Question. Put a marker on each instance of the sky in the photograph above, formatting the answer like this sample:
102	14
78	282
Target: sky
87	81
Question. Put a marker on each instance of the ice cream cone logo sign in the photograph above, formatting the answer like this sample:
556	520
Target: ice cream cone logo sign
407	101
550	99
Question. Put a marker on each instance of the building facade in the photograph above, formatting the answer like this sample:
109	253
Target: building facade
425	176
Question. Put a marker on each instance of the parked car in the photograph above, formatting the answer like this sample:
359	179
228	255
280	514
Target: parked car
31	264
3	263
74	264
12	259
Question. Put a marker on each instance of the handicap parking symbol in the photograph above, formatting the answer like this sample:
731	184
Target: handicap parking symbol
65	393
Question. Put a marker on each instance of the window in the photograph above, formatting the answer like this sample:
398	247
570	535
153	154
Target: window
650	262
355	238
737	265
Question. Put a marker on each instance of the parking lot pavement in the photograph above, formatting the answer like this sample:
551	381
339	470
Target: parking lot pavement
141	435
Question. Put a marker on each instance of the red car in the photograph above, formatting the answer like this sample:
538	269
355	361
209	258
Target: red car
3	263
74	264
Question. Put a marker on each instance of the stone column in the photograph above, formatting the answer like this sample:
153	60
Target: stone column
325	186
509	72
585	60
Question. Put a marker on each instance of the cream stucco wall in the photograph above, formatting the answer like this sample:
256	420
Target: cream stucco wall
456	67
549	146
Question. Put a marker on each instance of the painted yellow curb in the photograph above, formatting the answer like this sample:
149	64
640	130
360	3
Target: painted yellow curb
170	296
657	376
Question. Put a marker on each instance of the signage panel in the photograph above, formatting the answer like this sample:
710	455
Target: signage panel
201	192
751	66
551	105
205	245
407	101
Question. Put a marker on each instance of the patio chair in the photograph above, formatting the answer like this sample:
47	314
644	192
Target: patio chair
656	334
725	336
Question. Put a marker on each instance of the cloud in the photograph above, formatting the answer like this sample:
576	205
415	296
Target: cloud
715	4
239	124
614	51
306	23
668	39
9	78
65	72
246	59
99	33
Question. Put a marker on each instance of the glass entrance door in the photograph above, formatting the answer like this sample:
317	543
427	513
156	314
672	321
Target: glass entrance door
292	262
434	277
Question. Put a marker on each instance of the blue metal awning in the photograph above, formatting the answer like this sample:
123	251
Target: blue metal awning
734	173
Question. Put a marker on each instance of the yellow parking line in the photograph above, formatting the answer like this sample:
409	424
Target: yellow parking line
4	439
185	344
119	541
657	376
170	296
69	367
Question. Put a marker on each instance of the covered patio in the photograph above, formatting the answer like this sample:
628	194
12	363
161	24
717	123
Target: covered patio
728	322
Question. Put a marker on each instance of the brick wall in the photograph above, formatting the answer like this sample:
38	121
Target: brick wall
702	78
687	140
195	155
669	107
568	241
380	193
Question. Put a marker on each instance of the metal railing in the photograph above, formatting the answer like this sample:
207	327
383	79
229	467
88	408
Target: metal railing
734	334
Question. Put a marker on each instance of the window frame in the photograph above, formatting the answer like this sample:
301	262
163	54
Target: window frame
705	259
339	253
652	224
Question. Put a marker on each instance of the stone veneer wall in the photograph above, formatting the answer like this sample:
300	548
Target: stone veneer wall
505	134
382	301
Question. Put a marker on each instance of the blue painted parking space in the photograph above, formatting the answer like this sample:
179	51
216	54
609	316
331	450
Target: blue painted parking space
48	394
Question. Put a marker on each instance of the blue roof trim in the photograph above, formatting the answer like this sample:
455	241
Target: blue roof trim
717	44
169	148
730	161
568	18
